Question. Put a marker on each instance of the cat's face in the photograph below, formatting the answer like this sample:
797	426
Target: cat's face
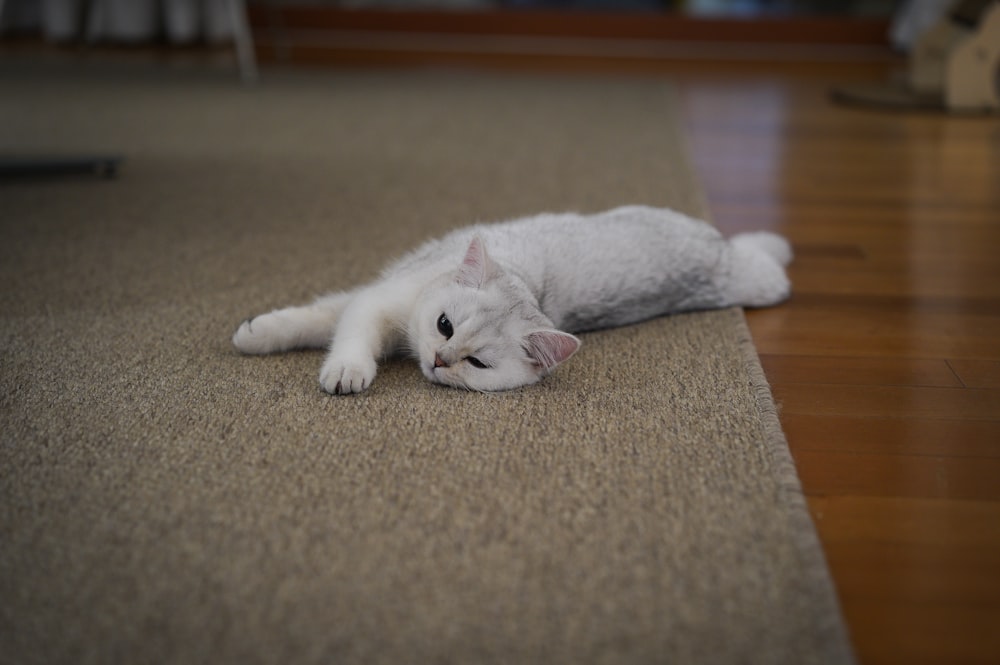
468	339
473	331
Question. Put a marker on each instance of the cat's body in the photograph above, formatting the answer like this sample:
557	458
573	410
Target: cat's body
491	306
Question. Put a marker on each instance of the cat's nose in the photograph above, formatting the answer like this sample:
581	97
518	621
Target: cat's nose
438	362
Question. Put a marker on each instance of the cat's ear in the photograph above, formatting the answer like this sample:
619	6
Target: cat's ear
548	348
477	266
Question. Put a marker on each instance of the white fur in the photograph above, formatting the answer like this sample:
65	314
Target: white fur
513	292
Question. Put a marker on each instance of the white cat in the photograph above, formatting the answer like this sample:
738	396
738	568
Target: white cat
491	307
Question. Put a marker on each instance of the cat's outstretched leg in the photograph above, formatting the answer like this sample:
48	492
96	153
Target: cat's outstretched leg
305	327
757	269
370	327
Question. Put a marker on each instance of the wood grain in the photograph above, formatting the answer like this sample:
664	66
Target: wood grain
918	578
886	361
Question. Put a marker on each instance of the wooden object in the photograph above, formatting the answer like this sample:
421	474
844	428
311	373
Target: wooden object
973	73
958	58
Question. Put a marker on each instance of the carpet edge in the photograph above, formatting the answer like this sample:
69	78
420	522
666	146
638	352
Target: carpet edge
806	536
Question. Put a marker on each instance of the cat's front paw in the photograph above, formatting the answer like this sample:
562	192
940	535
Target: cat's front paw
246	341
259	335
346	376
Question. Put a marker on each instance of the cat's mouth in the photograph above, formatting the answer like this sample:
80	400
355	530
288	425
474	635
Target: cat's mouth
430	363
436	374
430	371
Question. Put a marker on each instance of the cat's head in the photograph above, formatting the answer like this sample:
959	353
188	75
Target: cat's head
476	329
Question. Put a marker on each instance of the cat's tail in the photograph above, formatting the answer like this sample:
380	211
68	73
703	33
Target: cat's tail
771	243
757	277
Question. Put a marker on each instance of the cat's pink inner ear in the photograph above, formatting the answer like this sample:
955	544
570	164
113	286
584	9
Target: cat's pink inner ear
548	348
476	266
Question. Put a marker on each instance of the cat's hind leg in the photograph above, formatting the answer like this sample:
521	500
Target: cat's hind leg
757	269
303	327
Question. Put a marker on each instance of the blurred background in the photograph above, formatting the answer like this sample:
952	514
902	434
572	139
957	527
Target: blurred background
453	30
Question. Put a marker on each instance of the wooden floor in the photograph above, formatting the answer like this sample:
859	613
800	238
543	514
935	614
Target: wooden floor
886	361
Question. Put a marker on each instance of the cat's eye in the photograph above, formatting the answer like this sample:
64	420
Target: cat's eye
476	362
444	326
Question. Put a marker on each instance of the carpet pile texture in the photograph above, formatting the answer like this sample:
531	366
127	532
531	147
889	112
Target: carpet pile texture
164	499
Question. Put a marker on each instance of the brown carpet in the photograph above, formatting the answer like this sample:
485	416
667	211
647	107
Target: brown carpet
166	500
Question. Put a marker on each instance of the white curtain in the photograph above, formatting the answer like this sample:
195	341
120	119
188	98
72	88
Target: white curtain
128	21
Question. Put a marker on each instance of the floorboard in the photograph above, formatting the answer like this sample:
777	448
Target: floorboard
885	362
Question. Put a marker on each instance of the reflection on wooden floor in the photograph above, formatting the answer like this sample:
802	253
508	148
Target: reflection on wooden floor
886	362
